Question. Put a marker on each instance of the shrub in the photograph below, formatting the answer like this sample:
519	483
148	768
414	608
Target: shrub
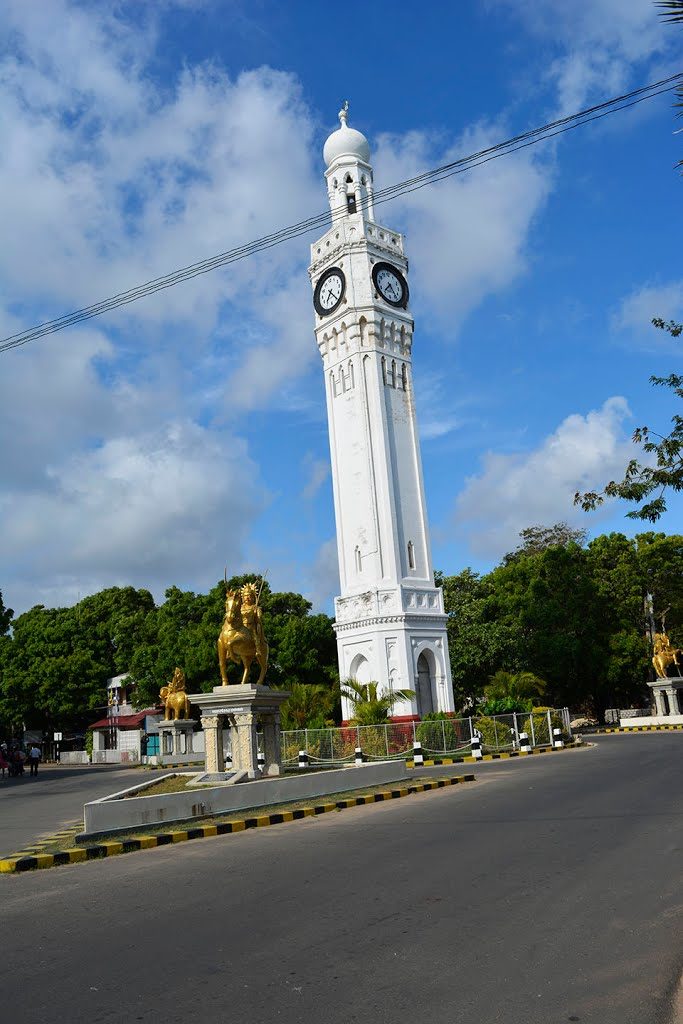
433	736
496	735
505	706
540	720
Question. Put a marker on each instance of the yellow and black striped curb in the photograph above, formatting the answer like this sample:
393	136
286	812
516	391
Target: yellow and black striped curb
502	756
640	728
113	847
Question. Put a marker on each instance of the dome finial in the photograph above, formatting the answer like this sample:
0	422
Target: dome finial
344	114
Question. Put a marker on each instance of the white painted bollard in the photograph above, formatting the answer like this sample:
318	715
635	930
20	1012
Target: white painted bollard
558	742
261	761
476	748
524	745
359	756
418	756
303	759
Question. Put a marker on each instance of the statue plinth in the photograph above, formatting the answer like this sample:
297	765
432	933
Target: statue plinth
175	736
667	692
241	710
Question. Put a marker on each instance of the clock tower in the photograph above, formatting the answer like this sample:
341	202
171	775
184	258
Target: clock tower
390	620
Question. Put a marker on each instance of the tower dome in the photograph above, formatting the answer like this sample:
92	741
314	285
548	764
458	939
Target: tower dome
346	142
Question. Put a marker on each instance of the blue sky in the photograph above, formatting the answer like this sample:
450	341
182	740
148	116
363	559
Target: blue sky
165	440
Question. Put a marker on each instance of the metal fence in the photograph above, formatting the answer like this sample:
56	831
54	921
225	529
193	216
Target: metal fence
451	736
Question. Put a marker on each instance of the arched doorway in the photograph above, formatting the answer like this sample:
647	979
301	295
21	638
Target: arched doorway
425	689
360	669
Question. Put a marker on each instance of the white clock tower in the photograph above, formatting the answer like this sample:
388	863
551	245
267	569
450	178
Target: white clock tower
390	621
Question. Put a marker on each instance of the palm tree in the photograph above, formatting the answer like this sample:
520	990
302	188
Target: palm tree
519	686
309	706
369	706
672	11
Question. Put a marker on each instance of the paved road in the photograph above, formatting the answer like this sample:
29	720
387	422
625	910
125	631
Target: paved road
32	806
547	891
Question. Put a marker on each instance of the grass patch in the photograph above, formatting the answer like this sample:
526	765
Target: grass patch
175	784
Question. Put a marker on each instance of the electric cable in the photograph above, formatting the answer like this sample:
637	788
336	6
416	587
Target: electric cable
381	196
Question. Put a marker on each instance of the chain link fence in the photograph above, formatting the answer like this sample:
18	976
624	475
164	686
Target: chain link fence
449	736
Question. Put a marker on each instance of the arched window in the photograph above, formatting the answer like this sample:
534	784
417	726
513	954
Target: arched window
411	555
348	179
404	377
392	377
352	382
384	370
359	560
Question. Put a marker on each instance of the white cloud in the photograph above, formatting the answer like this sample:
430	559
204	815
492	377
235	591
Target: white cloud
109	178
516	491
324	585
171	505
637	310
436	410
318	470
603	44
468	235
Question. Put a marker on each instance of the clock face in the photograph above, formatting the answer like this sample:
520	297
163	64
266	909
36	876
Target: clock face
329	291
391	284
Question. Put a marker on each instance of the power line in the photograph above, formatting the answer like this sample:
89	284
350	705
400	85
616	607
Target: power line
381	196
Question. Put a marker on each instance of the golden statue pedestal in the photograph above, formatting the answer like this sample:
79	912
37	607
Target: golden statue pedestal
247	712
175	737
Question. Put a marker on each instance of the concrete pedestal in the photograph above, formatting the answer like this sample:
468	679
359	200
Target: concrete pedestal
668	696
241	710
175	736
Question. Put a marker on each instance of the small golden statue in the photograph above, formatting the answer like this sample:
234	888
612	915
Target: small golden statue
174	697
665	656
242	638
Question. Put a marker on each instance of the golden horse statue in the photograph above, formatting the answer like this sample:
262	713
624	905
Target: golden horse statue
241	638
665	656
174	697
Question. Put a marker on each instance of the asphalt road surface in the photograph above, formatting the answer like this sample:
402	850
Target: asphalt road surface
547	891
32	806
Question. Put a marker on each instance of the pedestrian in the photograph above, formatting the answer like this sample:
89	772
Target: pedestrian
4	763
18	758
34	759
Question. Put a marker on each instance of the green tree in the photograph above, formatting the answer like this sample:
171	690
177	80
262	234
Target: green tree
479	642
511	691
539	538
549	601
647	483
6	616
55	665
184	631
310	706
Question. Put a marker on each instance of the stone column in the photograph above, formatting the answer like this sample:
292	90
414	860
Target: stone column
271	743
245	745
213	742
673	700
176	742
